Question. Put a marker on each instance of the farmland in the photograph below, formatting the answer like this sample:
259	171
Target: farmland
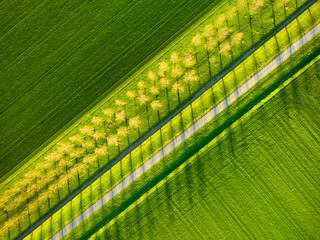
59	59
90	172
260	180
61	217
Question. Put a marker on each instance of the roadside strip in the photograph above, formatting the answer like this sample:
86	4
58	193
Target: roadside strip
167	119
189	131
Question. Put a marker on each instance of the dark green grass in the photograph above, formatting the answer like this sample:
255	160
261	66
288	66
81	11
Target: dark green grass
261	181
57	58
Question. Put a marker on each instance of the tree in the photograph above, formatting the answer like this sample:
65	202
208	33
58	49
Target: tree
208	34
196	41
236	38
189	60
63	163
133	96
231	12
88	145
135	123
123	132
77	153
102	150
78	170
165	82
176	71
97	120
53	190
32	175
143	99
174	57
154	90
284	4
189	77
177	88
97	136
223	33
86	130
9	224
77	138
90	159
113	139
120	116
121	103
152	76
156	105
225	49
53	157
221	19
163	68
109	112
256	6
141	85
65	148
63	181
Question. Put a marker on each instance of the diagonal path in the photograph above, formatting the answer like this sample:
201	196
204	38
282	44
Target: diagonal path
168	118
189	131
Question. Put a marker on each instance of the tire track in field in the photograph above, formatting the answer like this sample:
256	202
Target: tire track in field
189	132
61	61
26	52
287	152
10	28
213	81
67	100
282	145
115	60
58	64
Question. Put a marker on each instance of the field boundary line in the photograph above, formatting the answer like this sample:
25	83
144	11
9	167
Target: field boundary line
284	55
173	114
140	196
105	96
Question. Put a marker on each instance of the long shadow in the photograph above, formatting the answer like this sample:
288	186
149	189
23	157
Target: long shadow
168	118
193	150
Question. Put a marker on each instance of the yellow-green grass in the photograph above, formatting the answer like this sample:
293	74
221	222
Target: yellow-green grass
129	164
186	119
154	115
58	59
257	180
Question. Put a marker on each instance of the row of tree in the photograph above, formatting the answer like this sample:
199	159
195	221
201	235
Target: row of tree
72	159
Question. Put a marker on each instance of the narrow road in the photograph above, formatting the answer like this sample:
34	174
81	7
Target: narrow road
189	131
167	119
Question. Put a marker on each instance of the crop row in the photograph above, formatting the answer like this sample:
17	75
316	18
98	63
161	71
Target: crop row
123	120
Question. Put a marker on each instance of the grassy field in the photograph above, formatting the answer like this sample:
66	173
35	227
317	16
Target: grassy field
259	181
259	25
203	69
58	58
128	163
292	30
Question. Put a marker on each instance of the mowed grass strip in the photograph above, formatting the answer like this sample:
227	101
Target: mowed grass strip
261	180
58	58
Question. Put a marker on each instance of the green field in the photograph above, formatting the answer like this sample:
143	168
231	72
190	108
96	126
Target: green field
78	84
93	192
259	181
59	58
28	200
